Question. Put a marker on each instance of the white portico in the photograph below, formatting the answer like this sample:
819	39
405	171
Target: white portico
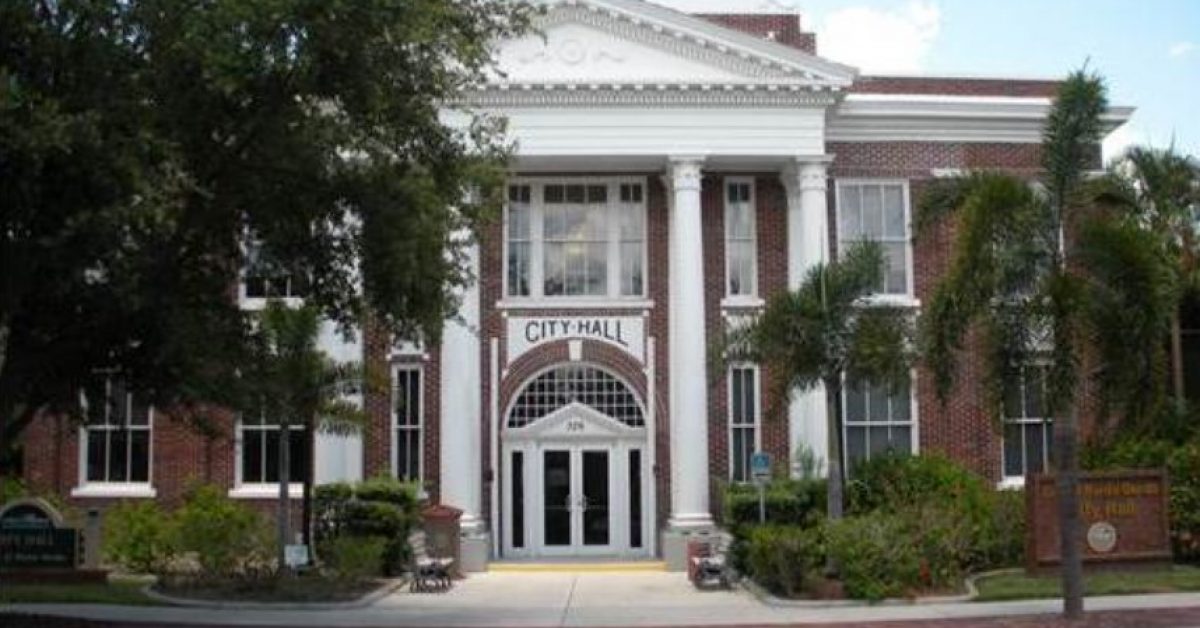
609	91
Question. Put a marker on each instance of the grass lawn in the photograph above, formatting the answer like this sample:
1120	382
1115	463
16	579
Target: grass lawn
127	593
1017	586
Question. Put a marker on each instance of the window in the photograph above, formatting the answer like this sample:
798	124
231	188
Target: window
876	420
116	434
262	278
878	212
575	240
565	385
743	421
740	266
406	416
260	438
1028	432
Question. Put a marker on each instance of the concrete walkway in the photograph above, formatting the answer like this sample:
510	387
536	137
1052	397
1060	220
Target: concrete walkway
598	599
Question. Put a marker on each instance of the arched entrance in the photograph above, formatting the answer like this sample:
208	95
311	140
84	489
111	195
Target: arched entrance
575	474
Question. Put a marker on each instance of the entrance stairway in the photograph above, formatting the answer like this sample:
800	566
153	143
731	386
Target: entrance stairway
574	566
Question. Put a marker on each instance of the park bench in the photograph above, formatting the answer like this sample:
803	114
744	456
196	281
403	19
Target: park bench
429	573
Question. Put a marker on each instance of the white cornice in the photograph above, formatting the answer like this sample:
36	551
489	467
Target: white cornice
913	117
658	95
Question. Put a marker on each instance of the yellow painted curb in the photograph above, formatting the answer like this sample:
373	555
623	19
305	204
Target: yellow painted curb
512	567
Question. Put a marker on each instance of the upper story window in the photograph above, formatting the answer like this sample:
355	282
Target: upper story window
576	239
406	420
260	447
1028	432
741	270
878	211
116	435
262	278
876	419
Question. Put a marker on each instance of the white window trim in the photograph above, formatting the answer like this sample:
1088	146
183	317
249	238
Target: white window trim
751	297
259	490
92	488
729	426
613	297
420	430
914	422
909	299
1019	480
255	304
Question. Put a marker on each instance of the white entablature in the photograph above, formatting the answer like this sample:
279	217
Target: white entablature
616	45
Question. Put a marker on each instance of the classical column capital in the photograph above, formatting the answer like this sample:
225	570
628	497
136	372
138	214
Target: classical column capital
806	174
684	171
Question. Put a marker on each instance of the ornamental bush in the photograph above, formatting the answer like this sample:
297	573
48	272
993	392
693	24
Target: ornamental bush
788	502
140	537
382	508
875	555
356	558
228	540
785	559
895	481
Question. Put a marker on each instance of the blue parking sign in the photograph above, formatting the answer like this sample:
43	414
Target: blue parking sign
760	465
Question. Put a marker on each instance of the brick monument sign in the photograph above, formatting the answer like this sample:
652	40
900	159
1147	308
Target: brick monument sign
1124	517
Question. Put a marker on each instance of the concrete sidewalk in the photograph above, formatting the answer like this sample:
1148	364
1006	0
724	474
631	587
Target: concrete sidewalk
598	599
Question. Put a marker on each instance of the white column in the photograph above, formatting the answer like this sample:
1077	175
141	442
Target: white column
808	245
461	404
689	373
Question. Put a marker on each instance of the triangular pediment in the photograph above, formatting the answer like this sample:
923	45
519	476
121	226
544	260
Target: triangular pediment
574	421
614	43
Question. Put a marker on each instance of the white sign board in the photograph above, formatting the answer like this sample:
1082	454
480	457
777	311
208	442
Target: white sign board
295	555
626	333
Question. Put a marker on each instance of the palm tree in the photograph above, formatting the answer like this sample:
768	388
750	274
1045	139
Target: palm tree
1099	297
824	330
289	380
1160	190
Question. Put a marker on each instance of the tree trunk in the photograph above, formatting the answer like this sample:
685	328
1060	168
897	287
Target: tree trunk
833	402
1177	362
310	439
283	524
1066	445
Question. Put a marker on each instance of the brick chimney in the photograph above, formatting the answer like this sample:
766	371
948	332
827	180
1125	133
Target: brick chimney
783	28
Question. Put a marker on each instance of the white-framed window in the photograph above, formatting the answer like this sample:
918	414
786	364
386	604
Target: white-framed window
878	211
263	278
576	239
259	438
741	267
744	419
877	419
407	424
1028	432
117	434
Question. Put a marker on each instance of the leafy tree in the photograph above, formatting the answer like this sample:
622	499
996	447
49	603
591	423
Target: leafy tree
288	380
140	141
824	330
1159	190
1099	298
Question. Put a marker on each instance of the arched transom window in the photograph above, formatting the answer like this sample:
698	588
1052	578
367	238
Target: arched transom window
564	385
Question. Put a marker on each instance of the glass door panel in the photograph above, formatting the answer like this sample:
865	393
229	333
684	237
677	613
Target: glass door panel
556	505
595	491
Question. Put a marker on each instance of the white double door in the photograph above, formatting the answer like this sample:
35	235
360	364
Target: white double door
576	499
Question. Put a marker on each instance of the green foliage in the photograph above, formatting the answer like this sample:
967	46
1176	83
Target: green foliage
875	554
788	503
895	481
356	558
11	488
140	537
381	507
786	559
227	539
139	136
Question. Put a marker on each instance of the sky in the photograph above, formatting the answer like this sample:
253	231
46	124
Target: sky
1147	50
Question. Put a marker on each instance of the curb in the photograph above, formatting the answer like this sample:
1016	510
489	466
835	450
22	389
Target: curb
370	598
768	598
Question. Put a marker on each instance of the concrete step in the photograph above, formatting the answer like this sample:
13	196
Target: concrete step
513	566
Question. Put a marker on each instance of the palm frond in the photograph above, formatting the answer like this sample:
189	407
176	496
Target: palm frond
1072	135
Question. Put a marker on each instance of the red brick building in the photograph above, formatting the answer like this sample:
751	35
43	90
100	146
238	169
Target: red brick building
672	173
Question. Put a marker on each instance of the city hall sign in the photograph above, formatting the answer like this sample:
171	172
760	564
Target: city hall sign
626	333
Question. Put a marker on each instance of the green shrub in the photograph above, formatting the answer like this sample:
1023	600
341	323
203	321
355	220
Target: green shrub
11	488
227	539
140	537
784	559
329	503
356	558
379	507
1000	541
788	502
896	481
875	555
390	491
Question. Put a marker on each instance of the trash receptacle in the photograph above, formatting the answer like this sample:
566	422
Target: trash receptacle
443	534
